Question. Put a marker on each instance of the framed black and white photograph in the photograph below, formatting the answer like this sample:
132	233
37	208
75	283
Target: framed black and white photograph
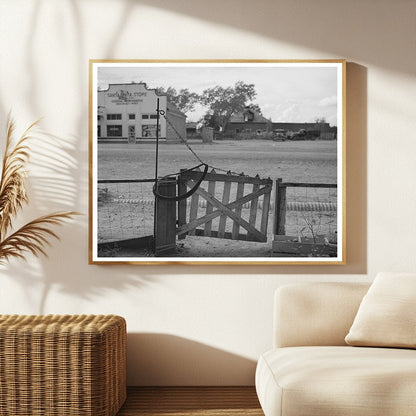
231	162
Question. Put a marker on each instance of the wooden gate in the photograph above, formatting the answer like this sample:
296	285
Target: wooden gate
224	206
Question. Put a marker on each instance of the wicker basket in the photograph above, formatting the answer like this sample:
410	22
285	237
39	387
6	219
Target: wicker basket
72	365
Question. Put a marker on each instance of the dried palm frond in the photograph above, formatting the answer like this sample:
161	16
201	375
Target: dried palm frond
12	182
32	237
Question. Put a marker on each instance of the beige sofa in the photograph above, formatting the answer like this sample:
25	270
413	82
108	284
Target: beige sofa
312	371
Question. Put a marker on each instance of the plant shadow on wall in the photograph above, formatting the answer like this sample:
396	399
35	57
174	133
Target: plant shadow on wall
52	185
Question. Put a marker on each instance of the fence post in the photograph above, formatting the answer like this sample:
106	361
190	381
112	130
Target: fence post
280	208
165	218
182	204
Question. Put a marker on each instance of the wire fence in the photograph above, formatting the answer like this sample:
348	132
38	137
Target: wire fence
125	210
312	212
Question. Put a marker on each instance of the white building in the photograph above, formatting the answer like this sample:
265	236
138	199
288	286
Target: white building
127	113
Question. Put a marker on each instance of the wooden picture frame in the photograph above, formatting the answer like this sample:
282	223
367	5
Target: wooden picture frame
217	162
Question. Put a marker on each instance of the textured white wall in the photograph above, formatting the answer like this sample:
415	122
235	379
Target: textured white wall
199	324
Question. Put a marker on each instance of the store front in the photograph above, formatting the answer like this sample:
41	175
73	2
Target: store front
127	113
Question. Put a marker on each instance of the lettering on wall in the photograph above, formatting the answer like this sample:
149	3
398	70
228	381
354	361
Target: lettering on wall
126	97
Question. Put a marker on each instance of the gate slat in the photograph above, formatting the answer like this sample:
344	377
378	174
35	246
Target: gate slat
225	201
193	210
253	210
210	208
236	226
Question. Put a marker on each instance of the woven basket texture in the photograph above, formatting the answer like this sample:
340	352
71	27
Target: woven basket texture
56	365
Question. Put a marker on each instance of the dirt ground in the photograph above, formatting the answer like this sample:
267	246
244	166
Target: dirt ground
128	212
297	161
193	246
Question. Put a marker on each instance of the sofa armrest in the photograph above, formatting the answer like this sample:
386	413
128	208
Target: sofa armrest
309	314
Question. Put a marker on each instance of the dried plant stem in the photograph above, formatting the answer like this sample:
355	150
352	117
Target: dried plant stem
34	236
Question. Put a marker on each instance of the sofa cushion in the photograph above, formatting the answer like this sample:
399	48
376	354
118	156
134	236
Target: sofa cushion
342	381
315	314
387	314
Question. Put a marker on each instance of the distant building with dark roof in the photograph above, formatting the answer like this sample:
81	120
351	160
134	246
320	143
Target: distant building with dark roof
127	113
247	121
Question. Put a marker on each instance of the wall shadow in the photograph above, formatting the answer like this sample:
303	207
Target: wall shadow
169	360
338	28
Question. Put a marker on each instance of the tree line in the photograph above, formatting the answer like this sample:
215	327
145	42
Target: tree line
221	102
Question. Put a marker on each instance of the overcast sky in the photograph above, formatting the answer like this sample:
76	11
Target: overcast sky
285	94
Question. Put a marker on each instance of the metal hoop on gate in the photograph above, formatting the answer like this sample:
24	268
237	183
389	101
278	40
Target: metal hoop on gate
186	194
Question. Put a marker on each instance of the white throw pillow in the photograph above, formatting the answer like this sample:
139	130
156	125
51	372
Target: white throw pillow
387	314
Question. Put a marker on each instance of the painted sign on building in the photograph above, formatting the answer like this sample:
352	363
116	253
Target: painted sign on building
124	96
128	112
